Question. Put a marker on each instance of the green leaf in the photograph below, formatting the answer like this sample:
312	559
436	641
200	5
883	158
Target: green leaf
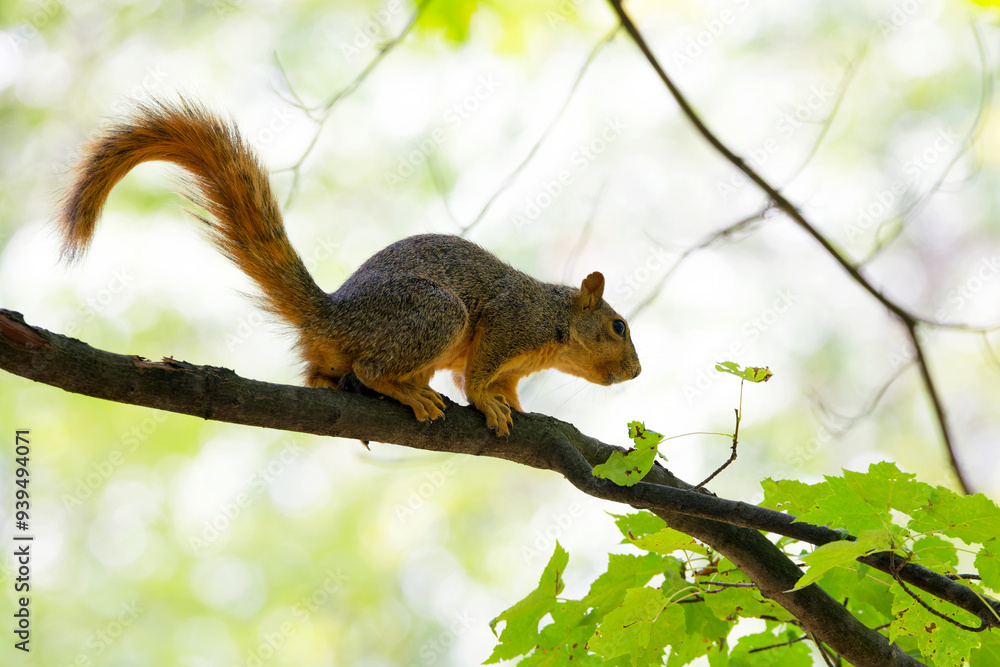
564	641
936	553
988	652
668	630
638	524
626	630
520	634
843	508
791	495
704	632
667	541
769	651
944	643
621	470
627	469
625	571
750	373
874	589
640	434
868	598
844	552
988	566
884	487
973	519
731	603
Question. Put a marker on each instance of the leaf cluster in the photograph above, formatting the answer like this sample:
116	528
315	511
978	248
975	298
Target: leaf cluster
675	600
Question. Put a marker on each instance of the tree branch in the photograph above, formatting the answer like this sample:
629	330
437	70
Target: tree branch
730	527
780	202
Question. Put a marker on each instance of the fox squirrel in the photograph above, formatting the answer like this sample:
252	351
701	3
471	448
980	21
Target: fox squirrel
425	303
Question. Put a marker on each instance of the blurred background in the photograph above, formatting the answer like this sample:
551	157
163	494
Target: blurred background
166	540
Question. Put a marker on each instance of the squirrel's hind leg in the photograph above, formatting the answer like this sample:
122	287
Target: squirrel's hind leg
401	329
413	391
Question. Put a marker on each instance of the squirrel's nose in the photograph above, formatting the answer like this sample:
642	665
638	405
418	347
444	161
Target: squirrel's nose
638	369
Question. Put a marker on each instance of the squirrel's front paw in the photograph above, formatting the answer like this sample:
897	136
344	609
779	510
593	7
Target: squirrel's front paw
497	413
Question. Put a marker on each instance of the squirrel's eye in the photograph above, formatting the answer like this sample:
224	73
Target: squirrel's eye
619	327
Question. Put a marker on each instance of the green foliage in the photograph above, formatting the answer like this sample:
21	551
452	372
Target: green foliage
521	630
838	554
750	373
452	17
628	469
754	650
677	600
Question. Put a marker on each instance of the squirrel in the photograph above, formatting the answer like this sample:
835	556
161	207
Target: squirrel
426	303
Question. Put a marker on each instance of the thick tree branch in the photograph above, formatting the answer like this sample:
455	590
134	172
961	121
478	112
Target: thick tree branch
538	441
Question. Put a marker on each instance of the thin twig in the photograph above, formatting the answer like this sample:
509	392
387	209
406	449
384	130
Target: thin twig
545	134
712	238
321	113
845	82
869	405
723	585
971	136
736	435
296	101
584	235
829	660
437	178
774	646
931	387
382	53
990	352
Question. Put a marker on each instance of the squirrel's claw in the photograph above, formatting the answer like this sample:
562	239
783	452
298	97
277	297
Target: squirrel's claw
497	413
426	403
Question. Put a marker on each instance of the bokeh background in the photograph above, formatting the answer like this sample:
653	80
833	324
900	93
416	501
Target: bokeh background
166	540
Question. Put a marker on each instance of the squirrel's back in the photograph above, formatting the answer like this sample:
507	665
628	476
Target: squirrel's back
470	271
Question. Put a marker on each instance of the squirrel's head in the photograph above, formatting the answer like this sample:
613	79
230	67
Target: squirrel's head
600	346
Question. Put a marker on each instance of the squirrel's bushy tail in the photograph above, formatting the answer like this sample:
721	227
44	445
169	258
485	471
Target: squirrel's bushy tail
227	181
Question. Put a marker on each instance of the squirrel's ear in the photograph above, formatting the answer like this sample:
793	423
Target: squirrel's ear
591	290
